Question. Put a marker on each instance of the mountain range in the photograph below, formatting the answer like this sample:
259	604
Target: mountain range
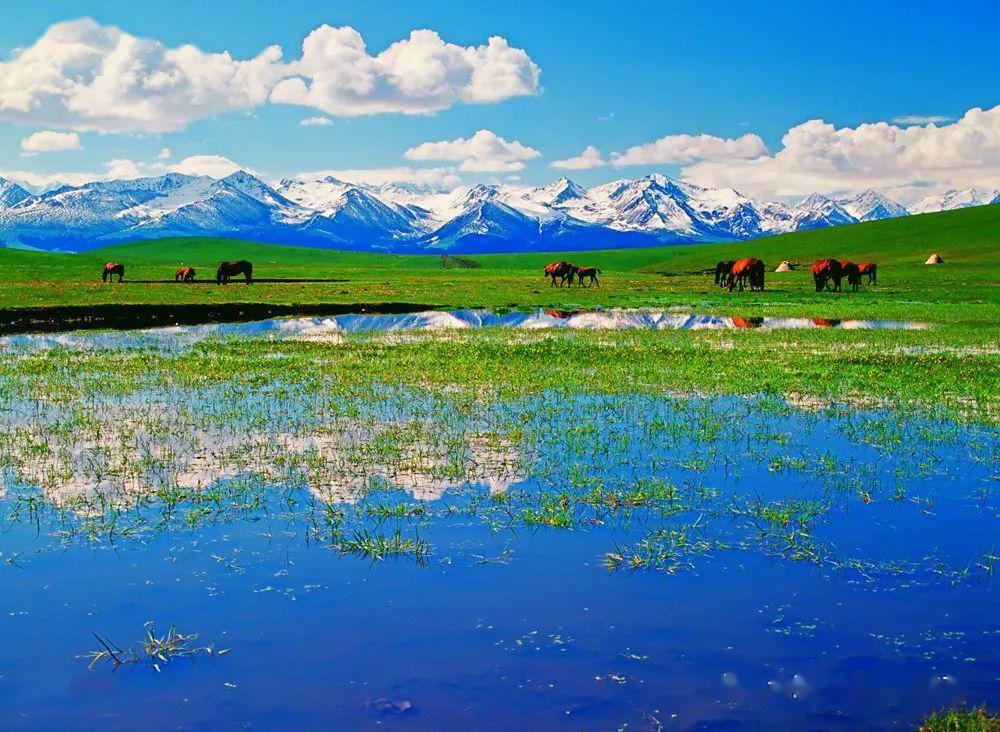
327	212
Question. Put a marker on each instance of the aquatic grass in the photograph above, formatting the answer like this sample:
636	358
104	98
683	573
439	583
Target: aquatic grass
154	650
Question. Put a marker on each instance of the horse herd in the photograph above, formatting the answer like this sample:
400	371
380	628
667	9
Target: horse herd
741	273
225	272
565	272
750	272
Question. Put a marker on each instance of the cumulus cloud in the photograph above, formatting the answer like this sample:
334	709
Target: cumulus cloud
164	154
316	122
418	75
589	158
49	141
84	76
214	166
485	152
817	157
436	178
685	149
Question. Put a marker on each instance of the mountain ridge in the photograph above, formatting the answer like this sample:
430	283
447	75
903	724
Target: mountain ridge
329	213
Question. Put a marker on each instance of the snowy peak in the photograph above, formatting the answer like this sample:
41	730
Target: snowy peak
816	211
953	199
559	193
11	193
872	206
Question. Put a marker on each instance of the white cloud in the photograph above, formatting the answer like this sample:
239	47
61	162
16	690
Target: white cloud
164	154
817	157
921	119
214	166
316	122
589	158
49	141
418	75
685	149
437	178
85	76
113	169
485	151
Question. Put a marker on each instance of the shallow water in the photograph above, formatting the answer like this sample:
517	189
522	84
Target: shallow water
325	328
799	569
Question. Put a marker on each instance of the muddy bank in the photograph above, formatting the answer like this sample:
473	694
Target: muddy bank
130	317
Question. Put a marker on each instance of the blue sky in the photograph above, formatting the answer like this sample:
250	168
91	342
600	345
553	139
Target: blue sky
612	76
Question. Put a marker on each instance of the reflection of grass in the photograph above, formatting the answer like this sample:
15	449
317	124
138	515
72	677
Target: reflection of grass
978	719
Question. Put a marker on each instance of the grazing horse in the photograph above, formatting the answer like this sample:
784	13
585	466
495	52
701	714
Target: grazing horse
746	271
852	273
111	269
227	270
870	269
563	270
590	272
184	274
825	270
722	270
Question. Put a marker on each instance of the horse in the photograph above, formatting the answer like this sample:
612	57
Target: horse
747	323
722	271
825	322
852	273
870	269
111	269
184	274
227	270
563	270
746	271
590	272
825	270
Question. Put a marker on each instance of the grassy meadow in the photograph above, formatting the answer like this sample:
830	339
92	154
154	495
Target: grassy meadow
964	290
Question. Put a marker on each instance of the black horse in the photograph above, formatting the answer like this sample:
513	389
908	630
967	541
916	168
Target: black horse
227	270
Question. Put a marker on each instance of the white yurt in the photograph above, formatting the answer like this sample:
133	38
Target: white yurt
784	267
934	259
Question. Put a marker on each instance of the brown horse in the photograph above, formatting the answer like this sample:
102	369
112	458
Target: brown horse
722	270
563	270
184	274
111	269
747	323
825	270
852	273
590	272
748	270
825	322
870	269
227	270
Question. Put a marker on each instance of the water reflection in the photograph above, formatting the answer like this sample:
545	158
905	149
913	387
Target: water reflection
332	329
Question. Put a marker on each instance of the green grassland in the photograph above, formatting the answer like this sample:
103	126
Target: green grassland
963	290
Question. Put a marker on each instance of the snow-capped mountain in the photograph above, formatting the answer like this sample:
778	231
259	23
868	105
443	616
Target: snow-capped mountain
11	193
950	200
872	206
327	212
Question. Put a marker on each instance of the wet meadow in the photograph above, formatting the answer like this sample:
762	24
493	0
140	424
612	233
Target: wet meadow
512	526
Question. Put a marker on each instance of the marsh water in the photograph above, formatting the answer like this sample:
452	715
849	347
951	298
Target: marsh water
410	560
334	326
